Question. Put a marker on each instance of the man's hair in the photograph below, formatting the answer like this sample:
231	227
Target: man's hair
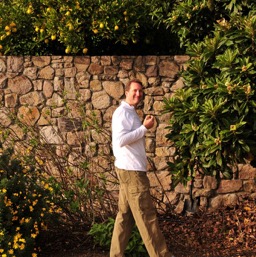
128	85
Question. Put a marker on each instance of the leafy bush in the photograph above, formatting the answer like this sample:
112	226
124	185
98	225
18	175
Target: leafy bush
27	206
102	234
193	20
213	124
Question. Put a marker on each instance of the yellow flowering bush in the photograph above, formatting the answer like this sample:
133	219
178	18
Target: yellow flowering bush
26	204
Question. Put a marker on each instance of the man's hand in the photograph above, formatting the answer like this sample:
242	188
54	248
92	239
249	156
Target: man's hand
149	121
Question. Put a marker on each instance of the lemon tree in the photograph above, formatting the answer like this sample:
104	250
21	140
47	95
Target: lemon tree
75	27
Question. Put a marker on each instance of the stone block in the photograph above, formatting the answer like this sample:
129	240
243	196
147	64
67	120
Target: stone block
20	85
46	73
114	88
41	61
229	186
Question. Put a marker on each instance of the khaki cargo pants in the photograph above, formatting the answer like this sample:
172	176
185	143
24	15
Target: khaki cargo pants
136	206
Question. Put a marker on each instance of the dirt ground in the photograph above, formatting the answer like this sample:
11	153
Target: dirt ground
229	232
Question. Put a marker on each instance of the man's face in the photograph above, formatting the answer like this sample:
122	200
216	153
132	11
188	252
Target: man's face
134	95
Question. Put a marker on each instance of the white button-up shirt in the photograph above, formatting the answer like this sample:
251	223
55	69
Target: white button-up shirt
128	139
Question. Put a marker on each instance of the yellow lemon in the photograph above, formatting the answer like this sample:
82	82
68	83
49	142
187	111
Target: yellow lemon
116	28
68	50
29	11
1	47
101	25
12	24
53	37
70	26
85	50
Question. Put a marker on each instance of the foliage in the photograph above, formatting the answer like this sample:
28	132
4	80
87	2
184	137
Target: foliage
102	234
26	203
212	124
78	177
79	27
194	20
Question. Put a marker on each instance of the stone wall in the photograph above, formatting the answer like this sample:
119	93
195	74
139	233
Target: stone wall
39	90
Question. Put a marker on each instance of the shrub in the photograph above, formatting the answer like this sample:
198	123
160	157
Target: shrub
102	234
213	124
26	203
79	175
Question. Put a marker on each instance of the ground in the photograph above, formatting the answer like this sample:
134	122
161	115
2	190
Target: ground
228	232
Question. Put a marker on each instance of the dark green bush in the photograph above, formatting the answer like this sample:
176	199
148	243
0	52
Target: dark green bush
102	234
213	120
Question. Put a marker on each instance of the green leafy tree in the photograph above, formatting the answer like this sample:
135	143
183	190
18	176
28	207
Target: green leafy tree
80	27
213	124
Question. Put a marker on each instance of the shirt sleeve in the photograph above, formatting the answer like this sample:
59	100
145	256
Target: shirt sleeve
123	132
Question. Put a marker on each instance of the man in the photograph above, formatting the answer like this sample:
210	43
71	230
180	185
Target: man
135	203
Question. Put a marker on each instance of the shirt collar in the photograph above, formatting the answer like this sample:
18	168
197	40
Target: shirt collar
125	104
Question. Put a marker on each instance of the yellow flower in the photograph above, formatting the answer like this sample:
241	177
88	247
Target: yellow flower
7	202
11	251
31	208
17	236
15	246
4	190
34	202
15	218
33	235
34	254
4	255
22	246
1	250
22	240
14	212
